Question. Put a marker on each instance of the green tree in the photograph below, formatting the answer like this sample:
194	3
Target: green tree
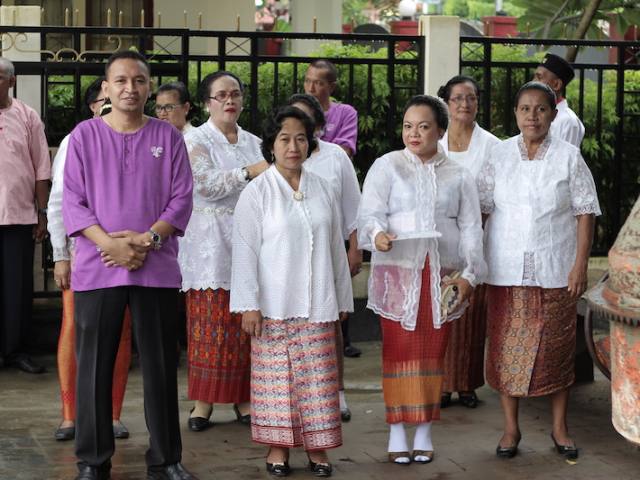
476	9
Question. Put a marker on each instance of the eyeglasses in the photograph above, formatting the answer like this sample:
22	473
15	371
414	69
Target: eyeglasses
168	108
460	99
224	96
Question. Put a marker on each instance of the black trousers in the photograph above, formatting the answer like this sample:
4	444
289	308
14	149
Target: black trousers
98	317
16	287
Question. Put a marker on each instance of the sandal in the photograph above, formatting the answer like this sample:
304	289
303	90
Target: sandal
469	400
395	456
422	456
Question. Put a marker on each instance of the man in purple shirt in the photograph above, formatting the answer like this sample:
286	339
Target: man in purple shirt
127	196
341	119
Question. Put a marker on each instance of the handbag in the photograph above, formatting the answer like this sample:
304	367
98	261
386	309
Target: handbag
450	296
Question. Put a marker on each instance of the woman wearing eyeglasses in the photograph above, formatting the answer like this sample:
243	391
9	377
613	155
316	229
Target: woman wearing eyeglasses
224	158
173	105
468	144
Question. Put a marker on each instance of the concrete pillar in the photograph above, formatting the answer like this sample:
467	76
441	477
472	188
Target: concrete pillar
24	49
328	15
442	50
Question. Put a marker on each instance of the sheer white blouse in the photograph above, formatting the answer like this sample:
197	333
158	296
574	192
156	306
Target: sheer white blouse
444	197
205	249
334	165
567	126
289	259
480	145
60	243
531	232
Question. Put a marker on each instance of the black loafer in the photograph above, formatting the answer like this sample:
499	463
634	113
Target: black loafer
243	419
65	433
469	400
120	431
174	471
352	352
88	472
279	469
320	469
445	399
198	424
26	364
345	415
508	452
570	452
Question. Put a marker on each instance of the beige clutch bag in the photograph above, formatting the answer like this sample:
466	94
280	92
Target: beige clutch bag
450	296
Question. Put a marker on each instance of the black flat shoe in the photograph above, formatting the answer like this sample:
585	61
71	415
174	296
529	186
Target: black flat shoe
174	471
445	399
570	452
88	472
469	400
320	469
279	469
508	452
345	415
243	419
352	352
65	433
120	431
198	424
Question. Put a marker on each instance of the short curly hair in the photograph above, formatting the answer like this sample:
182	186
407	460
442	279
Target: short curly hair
273	125
311	102
436	105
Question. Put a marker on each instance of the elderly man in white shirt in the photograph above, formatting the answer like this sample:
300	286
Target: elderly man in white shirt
541	203
556	72
290	279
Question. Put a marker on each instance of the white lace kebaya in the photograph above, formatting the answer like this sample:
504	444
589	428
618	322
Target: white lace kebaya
334	165
289	259
218	179
444	197
479	147
531	232
61	244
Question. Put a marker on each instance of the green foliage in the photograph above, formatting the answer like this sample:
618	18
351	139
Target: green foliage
476	9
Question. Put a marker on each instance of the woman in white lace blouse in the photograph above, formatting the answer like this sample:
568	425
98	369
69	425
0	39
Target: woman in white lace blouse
420	216
224	158
541	203
290	279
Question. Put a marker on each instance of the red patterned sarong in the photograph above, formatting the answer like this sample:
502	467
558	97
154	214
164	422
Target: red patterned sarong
412	363
531	340
218	351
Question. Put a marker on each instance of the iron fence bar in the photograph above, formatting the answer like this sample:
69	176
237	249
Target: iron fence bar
185	59
391	80
619	144
295	77
253	117
369	87
276	87
222	46
581	94
486	80
508	112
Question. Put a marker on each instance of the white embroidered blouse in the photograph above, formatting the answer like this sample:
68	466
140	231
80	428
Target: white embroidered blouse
480	145
443	196
218	179
334	165
531	232
567	126
60	243
289	259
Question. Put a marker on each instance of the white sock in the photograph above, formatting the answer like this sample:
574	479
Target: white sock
398	441
343	400
422	438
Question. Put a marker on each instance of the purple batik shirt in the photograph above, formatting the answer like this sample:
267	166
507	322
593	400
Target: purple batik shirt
126	181
342	125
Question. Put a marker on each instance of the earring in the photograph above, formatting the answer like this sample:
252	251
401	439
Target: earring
273	157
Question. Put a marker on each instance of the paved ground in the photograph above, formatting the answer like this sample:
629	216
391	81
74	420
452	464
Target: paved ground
464	439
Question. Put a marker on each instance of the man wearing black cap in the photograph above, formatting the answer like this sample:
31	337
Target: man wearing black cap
556	72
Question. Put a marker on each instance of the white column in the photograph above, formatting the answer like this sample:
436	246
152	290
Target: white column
23	48
442	50
328	19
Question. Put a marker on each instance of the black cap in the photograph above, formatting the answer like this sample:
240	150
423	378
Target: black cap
559	66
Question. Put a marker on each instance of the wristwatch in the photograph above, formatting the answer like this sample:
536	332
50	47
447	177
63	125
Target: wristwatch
156	240
245	172
42	211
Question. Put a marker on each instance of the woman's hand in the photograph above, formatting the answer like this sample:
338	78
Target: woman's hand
252	323
62	274
342	316
577	280
463	286
383	241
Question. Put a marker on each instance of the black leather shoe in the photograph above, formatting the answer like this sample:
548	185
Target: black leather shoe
352	352
198	424
469	400
171	472
508	452
445	399
88	472
345	414
243	419
570	452
24	363
120	431
65	433
279	469
320	469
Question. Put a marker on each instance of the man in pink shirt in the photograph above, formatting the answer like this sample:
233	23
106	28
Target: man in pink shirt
25	170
